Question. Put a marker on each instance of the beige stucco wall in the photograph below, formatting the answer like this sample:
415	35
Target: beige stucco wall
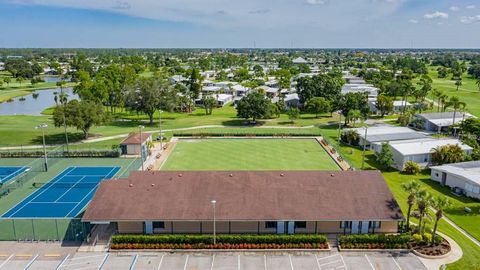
329	227
220	227
186	227
387	227
309	229
130	227
244	227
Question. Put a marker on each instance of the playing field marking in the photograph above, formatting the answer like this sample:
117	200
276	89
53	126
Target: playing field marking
290	259
62	262
31	262
369	262
20	170
186	262
6	261
61	196
40	193
396	263
161	261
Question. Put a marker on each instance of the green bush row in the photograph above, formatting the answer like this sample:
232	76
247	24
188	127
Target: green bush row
222	238
70	154
374	239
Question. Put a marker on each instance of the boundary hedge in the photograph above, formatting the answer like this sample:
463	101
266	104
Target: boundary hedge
375	241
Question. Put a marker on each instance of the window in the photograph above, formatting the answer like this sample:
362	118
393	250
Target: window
300	224
374	224
270	224
158	225
436	174
345	224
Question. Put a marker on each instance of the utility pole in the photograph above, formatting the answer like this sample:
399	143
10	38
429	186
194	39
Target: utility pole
364	147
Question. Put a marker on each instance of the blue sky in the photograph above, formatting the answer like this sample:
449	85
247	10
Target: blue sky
234	23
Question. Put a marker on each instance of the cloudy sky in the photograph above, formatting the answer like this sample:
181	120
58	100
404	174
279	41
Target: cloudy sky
241	23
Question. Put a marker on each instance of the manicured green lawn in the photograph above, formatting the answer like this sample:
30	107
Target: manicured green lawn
249	154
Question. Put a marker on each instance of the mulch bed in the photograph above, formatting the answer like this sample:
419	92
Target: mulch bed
438	250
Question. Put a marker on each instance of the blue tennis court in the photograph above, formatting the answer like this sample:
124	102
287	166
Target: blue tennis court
7	173
65	196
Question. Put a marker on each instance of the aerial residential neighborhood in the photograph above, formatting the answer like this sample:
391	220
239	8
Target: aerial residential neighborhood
239	135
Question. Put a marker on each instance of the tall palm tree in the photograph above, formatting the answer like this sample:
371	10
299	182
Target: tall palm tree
412	187
456	104
437	94
354	115
443	100
439	204
424	201
458	83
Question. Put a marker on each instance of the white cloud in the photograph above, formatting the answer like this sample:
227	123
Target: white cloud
454	8
470	7
470	19
436	15
316	2
413	21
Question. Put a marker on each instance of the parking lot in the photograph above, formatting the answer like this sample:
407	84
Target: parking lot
215	261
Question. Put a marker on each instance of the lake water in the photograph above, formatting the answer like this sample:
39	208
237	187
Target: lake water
31	105
52	79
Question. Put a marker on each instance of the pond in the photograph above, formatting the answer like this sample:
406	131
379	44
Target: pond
52	79
31	105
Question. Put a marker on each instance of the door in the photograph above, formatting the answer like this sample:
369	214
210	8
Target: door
444	178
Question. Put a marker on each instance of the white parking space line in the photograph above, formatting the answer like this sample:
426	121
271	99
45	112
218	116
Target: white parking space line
291	263
322	258
213	262
327	263
318	264
86	257
343	261
103	262
238	261
369	262
31	262
6	261
186	262
62	262
132	266
161	261
396	263
265	261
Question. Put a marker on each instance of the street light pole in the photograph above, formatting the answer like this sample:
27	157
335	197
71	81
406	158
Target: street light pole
160	127
63	115
339	130
214	202
141	146
364	146
42	127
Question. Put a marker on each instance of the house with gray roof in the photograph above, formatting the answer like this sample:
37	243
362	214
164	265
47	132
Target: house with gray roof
440	122
464	177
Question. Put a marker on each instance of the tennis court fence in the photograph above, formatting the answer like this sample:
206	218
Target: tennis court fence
44	229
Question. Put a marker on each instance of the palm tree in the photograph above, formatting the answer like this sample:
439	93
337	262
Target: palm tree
437	94
478	83
439	204
412	189
354	115
443	100
458	83
456	104
424	201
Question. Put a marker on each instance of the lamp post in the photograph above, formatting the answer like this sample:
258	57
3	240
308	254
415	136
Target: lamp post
140	127
43	127
214	202
364	146
160	127
339	130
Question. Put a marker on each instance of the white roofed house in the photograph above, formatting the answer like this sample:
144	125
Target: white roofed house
440	122
299	60
463	177
291	100
207	90
371	90
238	90
177	79
398	105
385	133
420	150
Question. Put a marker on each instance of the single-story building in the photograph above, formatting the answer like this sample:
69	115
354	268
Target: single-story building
291	100
207	90
133	143
440	122
385	133
464	176
282	202
177	79
371	90
420	150
299	60
398	106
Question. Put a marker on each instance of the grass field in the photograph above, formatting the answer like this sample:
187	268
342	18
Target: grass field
249	154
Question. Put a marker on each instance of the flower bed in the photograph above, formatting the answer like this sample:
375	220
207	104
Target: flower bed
375	241
422	245
223	242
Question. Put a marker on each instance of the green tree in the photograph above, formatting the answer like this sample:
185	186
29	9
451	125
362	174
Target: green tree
424	201
318	105
7	80
354	116
458	82
293	114
194	85
254	105
258	71
20	80
450	153
353	101
209	103
80	114
477	82
456	104
411	167
148	95
412	188
384	104
439	204
385	156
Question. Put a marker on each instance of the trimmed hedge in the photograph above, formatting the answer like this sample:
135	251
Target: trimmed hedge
375	241
220	246
70	154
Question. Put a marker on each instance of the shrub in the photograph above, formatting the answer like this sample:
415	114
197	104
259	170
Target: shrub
412	168
417	237
427	237
59	154
375	241
438	239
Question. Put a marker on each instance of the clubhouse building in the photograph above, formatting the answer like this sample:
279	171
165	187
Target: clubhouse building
281	202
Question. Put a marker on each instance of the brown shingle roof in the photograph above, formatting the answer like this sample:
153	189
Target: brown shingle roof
243	195
134	138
